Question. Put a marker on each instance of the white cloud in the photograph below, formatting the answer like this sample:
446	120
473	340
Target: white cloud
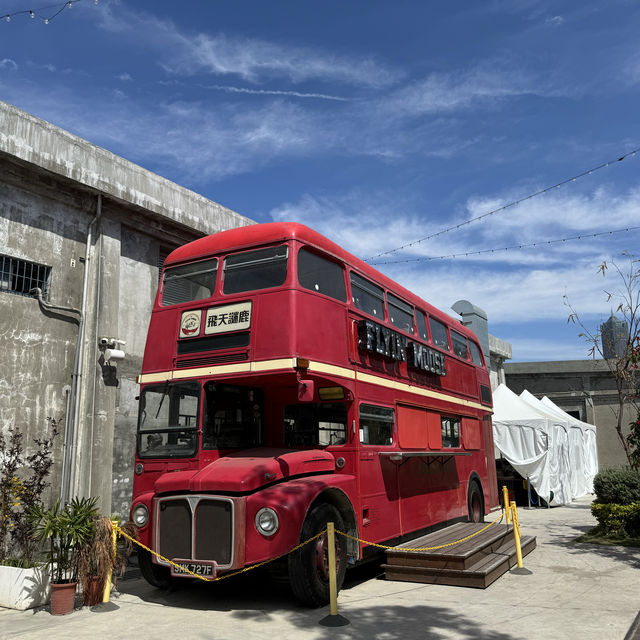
124	77
554	21
513	285
265	92
254	60
8	63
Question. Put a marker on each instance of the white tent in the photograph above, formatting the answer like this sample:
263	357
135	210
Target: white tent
543	443
583	435
521	435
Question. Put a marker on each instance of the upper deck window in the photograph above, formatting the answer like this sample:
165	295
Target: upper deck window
367	296
400	313
319	274
252	270
459	343
189	282
476	357
439	334
422	325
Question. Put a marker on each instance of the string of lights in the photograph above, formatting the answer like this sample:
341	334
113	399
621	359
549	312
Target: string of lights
37	13
540	243
513	203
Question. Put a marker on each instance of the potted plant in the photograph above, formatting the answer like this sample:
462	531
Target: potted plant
65	529
24	583
98	558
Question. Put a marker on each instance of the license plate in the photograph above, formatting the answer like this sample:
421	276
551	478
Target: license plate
204	568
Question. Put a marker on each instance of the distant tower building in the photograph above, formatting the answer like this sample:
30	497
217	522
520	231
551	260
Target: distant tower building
613	334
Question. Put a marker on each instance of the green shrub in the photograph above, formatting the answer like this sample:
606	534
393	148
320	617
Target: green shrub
617	486
618	520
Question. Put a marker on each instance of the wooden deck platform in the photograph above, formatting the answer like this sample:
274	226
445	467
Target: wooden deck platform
475	563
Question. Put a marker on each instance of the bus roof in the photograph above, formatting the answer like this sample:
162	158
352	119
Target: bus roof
268	233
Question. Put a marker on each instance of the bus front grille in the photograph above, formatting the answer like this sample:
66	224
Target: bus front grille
197	528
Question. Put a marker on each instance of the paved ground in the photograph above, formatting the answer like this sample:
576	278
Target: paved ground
574	591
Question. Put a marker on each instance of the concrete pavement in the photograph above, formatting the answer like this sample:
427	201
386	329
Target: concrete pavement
574	591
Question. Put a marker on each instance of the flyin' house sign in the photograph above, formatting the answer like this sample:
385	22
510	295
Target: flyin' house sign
375	338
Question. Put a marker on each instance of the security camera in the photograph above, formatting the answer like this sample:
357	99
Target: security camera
105	342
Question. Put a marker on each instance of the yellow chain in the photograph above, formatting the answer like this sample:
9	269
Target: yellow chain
226	575
441	546
302	544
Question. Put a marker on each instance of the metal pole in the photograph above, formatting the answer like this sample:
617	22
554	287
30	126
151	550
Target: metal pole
516	534
333	591
107	583
505	499
529	492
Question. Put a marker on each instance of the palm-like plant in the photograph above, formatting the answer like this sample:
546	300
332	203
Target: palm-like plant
66	528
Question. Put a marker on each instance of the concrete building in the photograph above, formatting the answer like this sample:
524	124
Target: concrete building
586	389
495	351
90	230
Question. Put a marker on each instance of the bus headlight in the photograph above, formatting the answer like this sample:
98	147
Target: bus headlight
140	515
267	521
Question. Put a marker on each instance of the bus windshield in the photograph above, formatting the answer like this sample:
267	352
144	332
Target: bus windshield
168	420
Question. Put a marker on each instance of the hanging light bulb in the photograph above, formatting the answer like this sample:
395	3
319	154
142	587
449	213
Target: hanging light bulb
8	18
31	14
69	4
46	20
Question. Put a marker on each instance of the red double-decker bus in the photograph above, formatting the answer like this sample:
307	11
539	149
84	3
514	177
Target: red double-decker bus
287	384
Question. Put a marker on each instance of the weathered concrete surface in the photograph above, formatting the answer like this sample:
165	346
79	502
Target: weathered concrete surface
50	182
574	591
46	146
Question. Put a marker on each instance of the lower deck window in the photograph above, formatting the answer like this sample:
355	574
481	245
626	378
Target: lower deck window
315	424
450	432
376	425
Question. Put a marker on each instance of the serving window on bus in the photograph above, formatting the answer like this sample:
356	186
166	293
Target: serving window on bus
168	420
315	424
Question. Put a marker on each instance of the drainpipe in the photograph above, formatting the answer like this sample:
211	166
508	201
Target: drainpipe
79	361
66	390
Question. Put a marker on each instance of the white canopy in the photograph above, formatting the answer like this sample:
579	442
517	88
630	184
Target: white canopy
555	451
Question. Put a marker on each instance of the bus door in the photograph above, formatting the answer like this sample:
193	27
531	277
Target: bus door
378	473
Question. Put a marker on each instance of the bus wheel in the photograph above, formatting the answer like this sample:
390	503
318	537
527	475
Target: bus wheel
309	565
475	503
153	573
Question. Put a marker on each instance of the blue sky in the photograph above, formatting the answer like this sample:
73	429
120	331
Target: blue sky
376	123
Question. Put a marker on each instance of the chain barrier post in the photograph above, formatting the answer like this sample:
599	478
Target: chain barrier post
107	584
333	591
516	534
505	501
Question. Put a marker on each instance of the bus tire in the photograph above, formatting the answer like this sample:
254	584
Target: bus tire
475	502
309	565
154	574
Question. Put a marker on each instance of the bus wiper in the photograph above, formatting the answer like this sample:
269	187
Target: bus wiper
164	395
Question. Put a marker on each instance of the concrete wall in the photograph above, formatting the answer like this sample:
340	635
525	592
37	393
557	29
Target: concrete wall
583	386
52	185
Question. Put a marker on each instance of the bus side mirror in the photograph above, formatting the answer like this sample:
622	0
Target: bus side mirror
306	390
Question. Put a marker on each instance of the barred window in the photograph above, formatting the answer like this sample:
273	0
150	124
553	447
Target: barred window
21	277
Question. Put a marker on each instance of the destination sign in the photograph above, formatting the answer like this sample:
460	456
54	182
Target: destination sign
375	338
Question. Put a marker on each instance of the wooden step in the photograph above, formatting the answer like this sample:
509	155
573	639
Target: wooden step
459	556
477	562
